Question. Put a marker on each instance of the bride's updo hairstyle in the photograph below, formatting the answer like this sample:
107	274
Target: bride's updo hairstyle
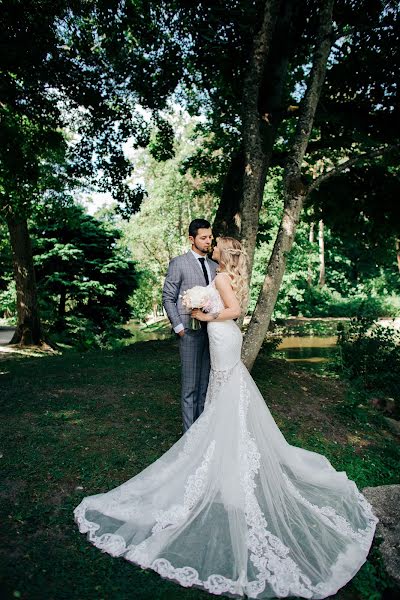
233	261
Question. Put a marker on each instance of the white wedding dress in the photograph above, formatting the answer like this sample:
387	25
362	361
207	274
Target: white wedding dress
232	508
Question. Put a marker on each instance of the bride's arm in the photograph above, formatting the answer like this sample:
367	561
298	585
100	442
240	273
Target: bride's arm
232	307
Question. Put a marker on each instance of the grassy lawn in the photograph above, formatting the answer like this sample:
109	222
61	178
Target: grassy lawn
80	424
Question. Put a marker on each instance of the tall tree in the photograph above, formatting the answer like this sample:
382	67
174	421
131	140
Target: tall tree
82	272
294	190
82	67
352	123
321	246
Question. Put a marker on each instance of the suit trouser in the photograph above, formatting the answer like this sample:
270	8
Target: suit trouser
195	372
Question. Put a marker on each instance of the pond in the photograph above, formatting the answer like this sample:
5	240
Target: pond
307	349
160	330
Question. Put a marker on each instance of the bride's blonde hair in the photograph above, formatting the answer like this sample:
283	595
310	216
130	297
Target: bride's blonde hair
233	262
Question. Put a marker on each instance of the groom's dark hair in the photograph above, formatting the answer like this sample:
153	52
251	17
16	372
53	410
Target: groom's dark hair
197	224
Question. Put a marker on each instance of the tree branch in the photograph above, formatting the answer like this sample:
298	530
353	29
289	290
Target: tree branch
346	165
151	252
311	97
261	47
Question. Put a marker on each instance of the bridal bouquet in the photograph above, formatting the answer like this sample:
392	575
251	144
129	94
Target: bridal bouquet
197	297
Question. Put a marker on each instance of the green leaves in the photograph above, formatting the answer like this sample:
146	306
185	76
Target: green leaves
82	275
161	146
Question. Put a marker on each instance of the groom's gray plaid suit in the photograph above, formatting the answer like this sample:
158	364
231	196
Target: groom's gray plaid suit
183	274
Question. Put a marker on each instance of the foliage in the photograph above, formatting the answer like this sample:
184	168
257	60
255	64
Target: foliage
146	297
270	344
218	40
72	75
159	231
361	271
84	278
92	64
314	327
328	302
69	105
8	300
370	354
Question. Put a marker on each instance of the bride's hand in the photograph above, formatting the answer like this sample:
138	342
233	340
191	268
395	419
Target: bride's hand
200	316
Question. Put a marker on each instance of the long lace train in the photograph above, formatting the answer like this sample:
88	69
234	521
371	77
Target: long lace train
232	507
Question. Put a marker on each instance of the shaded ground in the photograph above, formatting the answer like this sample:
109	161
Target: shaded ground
80	424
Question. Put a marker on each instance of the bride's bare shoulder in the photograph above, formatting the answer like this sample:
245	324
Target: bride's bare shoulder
223	280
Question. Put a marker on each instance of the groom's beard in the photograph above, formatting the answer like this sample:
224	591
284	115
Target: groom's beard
201	249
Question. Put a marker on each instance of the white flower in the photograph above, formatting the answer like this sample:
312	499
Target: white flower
195	297
206	298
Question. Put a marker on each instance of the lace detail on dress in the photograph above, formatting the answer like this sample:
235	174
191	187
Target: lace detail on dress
267	552
329	516
187	576
215	382
194	490
109	542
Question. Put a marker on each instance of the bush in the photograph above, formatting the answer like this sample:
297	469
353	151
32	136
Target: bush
8	299
270	343
84	334
146	296
370	354
324	302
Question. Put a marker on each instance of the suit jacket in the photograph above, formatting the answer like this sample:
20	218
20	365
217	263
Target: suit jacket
183	274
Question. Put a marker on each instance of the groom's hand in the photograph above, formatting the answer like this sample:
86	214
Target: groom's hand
181	333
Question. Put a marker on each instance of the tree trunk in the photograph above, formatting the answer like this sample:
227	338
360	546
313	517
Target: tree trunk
261	317
228	218
309	268
60	321
294	192
28	331
263	112
260	115
398	253
255	165
62	303
321	253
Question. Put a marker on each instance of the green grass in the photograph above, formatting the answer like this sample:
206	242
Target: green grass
94	420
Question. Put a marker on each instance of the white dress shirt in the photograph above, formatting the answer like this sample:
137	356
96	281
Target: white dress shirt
180	327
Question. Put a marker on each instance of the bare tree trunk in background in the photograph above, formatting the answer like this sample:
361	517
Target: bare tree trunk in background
62	303
255	165
263	112
294	192
29	330
228	217
398	253
60	321
311	241
321	254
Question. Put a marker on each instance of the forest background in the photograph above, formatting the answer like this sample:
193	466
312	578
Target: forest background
120	121
207	109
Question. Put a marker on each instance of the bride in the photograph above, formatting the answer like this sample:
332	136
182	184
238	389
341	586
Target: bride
232	508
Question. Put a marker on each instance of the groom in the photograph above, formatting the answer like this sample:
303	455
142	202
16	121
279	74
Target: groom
184	272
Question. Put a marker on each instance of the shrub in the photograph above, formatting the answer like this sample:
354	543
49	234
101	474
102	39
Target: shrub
370	354
8	298
324	302
84	334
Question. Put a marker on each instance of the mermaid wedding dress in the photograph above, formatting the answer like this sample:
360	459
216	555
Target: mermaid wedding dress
232	508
